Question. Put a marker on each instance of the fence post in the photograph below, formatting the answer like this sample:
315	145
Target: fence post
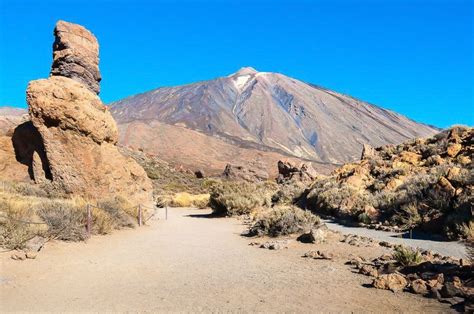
89	221
139	215
166	212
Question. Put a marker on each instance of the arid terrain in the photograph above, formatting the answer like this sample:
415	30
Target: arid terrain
254	192
193	263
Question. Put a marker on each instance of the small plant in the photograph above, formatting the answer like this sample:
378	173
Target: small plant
121	211
283	220
65	221
406	256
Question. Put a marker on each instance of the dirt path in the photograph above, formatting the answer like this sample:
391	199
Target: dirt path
192	264
451	248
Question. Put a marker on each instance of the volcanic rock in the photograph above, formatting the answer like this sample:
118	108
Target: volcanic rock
240	172
76	55
394	282
287	171
78	135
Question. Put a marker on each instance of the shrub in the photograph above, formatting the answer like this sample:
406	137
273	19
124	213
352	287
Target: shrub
240	197
123	214
283	220
65	221
406	256
185	199
14	233
289	193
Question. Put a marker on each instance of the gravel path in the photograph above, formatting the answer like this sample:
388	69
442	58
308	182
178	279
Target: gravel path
192	263
451	248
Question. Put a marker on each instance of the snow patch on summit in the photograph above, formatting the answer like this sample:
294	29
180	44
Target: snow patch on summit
240	81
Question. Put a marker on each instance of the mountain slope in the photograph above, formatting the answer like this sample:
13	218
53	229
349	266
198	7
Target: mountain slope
273	112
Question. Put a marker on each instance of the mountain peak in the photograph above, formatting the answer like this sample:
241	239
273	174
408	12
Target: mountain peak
245	71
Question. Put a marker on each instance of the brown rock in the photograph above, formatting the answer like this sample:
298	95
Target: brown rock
76	55
453	149
317	235
418	286
31	255
394	282
453	173
369	270
76	136
240	172
410	157
288	171
318	255
368	152
447	186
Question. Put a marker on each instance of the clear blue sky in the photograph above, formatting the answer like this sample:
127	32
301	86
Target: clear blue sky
414	57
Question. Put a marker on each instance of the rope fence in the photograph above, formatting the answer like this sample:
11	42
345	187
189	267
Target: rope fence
141	220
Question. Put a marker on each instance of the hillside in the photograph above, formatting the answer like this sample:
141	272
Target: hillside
267	112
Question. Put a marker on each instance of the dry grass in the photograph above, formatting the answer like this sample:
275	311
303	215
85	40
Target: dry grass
62	218
185	199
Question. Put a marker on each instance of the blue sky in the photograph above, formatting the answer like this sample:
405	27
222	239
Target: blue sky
414	57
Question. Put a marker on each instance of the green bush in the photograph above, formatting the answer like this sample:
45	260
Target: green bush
406	256
283	220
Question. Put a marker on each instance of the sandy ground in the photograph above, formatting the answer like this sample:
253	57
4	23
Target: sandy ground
191	263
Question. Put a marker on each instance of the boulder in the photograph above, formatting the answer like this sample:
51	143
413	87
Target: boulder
76	55
453	149
240	172
369	270
394	282
199	174
368	152
419	286
287	171
317	235
446	186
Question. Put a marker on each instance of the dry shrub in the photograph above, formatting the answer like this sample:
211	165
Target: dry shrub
185	199
65	220
13	232
283	220
122	213
239	197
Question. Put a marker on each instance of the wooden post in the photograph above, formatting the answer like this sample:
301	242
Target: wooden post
139	215
89	221
166	212
411	233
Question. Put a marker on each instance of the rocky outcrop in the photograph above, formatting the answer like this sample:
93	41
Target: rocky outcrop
77	134
249	174
287	171
76	55
425	183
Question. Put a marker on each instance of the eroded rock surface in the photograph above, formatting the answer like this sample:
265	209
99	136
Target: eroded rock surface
76	55
78	135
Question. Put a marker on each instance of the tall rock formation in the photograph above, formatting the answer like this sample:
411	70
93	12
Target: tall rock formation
77	133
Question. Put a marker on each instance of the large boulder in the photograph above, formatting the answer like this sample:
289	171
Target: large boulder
77	134
245	173
287	171
76	55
